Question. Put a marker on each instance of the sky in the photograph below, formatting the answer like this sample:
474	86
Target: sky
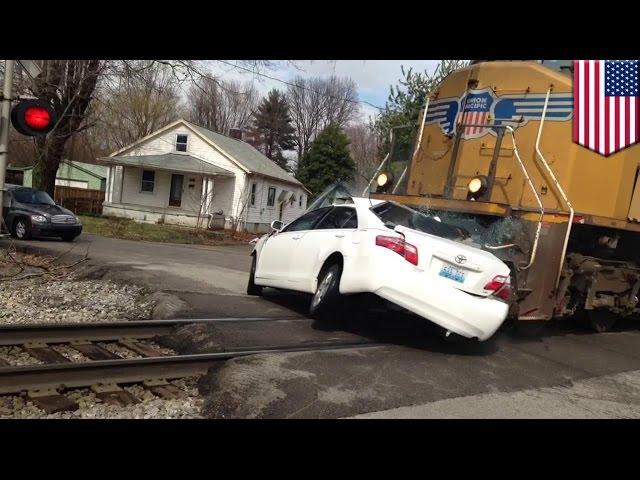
373	77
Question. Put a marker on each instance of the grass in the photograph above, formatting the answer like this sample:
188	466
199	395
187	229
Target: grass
127	229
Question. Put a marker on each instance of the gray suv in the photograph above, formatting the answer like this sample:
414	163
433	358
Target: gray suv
32	213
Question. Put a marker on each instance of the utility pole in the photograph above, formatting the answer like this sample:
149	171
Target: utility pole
5	120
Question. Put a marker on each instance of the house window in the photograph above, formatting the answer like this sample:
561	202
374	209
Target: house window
181	143
148	180
271	197
300	200
253	193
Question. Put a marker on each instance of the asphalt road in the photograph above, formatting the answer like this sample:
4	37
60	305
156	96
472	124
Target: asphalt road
169	267
562	372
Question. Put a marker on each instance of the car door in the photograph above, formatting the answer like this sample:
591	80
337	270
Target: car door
6	208
274	260
329	235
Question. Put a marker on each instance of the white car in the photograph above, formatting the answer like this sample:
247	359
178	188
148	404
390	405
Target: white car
391	250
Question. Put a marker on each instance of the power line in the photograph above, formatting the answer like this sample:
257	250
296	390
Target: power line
295	85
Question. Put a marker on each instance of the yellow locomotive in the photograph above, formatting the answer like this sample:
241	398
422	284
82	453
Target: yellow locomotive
495	153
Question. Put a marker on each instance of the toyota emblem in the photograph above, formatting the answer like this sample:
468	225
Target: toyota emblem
461	259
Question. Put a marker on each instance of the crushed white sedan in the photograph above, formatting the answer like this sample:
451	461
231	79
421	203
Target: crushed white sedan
403	255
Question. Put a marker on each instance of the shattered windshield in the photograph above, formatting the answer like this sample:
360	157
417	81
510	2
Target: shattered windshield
393	214
481	231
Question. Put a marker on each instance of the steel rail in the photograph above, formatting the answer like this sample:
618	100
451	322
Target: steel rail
101	372
68	332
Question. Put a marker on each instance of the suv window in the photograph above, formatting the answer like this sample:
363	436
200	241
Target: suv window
394	214
339	217
32	197
306	221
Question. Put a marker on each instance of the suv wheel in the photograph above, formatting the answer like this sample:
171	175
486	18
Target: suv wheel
22	229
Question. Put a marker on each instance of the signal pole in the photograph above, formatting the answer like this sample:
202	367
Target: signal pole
5	120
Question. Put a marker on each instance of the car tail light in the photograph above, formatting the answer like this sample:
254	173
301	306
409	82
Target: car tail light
398	245
500	286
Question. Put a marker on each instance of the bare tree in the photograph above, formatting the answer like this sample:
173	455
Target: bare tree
142	98
316	102
341	101
220	105
68	85
363	147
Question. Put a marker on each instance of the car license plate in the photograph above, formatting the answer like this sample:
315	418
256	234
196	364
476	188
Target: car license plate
452	273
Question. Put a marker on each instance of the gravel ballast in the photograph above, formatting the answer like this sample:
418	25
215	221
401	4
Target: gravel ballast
31	294
150	406
69	301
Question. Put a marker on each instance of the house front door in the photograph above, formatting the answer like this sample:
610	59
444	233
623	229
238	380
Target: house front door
175	193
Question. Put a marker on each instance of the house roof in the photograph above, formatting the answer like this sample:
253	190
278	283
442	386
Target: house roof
179	162
246	154
98	171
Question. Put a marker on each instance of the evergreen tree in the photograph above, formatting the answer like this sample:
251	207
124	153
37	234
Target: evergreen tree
272	125
404	104
327	160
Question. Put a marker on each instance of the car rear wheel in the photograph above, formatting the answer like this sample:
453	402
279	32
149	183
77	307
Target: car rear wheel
252	288
327	292
22	229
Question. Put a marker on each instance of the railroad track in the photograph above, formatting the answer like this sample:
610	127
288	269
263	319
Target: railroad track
105	371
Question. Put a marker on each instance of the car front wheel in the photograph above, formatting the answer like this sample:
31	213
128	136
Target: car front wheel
22	229
252	288
327	292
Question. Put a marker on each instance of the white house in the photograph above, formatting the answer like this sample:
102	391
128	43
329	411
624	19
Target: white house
186	174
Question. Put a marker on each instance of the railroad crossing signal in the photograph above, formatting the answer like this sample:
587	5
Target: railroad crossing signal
33	117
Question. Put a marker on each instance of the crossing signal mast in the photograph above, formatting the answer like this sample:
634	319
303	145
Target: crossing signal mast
31	117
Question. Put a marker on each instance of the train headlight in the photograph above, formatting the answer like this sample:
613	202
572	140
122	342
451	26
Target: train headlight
477	186
384	179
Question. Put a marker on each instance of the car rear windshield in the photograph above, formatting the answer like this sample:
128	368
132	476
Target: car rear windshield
393	214
33	197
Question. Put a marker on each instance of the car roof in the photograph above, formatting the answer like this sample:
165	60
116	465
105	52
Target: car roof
366	202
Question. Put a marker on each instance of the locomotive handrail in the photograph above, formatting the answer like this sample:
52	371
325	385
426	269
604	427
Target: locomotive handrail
404	172
558	188
535	193
384	160
510	129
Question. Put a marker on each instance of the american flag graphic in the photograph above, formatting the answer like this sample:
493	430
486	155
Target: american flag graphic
605	98
474	117
476	112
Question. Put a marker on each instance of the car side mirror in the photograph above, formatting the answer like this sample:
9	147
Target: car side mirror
276	226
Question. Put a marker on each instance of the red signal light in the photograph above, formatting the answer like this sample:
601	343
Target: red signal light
33	117
37	118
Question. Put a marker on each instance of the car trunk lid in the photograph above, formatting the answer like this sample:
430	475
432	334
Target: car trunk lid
461	266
